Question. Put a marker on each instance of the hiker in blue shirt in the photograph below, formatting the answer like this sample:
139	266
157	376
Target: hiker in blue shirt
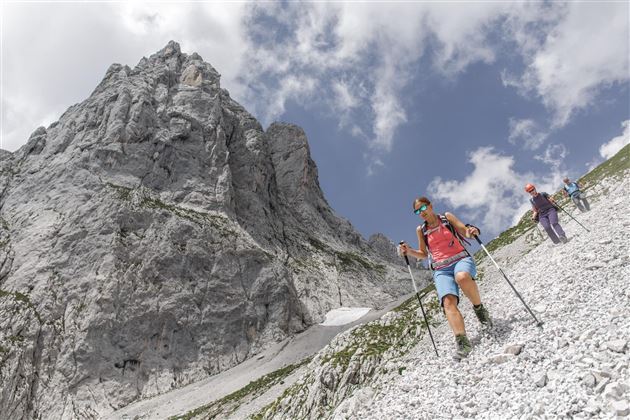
572	189
544	212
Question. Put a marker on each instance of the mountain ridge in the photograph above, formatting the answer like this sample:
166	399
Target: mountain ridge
149	241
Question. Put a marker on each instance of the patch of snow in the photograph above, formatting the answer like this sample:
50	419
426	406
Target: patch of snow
343	316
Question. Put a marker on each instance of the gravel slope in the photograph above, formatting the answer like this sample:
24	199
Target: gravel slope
576	366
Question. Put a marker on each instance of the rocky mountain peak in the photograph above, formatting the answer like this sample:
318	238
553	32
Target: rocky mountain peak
155	235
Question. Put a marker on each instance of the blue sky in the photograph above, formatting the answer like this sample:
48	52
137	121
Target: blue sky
462	102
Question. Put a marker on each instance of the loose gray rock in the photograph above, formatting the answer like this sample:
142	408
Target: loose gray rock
589	380
618	346
602	385
562	343
541	380
600	375
501	358
620	408
615	390
514	349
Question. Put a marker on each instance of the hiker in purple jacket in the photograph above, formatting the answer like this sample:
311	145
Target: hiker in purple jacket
544	212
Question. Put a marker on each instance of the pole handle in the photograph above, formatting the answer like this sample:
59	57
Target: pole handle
478	240
404	255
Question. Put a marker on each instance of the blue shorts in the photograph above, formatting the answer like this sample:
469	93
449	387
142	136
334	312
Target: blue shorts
444	278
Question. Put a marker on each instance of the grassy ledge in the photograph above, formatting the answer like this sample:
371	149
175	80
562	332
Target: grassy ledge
200	218
228	404
375	341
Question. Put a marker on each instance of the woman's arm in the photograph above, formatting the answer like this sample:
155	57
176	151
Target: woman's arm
462	229
420	253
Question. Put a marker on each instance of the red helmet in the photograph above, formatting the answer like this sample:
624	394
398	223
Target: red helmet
529	187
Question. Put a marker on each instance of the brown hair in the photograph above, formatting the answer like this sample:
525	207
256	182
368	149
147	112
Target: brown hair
420	200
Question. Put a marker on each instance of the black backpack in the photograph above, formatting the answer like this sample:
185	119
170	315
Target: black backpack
544	194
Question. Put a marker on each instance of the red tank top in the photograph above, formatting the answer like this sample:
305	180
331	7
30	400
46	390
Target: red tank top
442	244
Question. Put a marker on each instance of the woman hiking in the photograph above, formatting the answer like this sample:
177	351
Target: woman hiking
544	212
453	267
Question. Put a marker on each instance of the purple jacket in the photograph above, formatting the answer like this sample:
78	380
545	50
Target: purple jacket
541	202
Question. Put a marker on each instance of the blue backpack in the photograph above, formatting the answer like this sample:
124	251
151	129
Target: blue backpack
571	188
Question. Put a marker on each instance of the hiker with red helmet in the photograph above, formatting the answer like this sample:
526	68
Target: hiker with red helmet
544	211
440	239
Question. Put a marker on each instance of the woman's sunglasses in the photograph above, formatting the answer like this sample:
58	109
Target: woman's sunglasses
421	208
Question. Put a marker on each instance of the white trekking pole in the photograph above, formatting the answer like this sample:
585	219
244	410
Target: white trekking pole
415	288
538	323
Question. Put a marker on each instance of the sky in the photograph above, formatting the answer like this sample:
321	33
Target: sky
463	102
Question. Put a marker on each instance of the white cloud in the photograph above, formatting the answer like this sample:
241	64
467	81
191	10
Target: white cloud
527	133
374	48
610	148
461	33
583	52
343	97
492	192
47	70
358	57
291	88
553	155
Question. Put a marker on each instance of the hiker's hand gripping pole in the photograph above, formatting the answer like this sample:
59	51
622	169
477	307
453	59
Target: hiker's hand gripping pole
538	323
415	288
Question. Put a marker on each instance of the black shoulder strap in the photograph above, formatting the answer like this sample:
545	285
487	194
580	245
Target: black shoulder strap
424	234
449	226
454	232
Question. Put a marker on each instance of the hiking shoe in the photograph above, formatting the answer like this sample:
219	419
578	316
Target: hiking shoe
483	316
463	347
564	239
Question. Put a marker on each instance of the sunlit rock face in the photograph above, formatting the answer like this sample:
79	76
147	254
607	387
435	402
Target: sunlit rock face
155	235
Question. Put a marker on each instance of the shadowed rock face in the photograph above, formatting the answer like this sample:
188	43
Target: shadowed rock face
156	235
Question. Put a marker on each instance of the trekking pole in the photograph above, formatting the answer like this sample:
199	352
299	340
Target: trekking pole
561	208
420	302
538	323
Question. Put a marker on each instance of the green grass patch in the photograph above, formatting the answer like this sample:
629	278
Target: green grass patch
123	193
350	260
22	300
615	166
374	338
201	218
318	245
231	402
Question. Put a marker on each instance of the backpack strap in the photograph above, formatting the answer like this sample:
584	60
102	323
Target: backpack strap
444	220
531	200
